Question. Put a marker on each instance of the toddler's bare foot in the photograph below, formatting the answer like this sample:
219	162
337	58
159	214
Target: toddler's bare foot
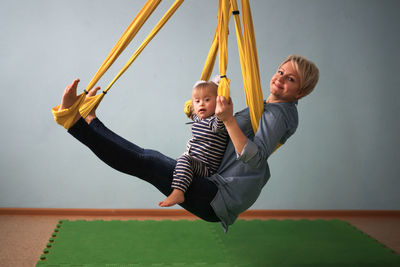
176	197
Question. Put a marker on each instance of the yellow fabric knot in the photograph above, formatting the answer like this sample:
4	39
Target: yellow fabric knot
223	87
188	109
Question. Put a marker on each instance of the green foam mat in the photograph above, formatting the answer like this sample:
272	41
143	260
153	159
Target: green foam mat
198	243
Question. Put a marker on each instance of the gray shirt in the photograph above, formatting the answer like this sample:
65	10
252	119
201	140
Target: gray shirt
240	178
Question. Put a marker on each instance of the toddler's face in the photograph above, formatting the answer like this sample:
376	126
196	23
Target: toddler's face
204	102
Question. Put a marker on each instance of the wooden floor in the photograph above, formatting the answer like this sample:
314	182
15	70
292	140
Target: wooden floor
23	237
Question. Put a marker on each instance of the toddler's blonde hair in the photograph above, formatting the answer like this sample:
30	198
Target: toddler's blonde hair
206	85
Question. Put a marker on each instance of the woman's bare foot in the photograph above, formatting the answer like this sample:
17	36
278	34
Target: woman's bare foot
92	114
70	97
176	197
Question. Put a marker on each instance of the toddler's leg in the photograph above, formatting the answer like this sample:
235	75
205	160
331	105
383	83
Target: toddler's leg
182	178
183	173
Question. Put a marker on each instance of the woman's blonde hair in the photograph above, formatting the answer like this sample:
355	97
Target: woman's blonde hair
307	70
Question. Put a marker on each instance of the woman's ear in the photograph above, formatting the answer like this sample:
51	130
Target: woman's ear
300	94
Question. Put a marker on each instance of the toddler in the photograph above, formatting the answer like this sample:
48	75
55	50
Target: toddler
204	151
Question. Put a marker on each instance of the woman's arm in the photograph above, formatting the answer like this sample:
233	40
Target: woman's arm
224	112
276	122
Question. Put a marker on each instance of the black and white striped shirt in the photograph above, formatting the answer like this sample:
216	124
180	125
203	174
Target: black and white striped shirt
208	142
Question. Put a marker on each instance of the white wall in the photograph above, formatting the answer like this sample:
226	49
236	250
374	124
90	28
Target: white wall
345	154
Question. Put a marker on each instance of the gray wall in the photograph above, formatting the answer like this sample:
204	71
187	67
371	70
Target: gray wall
345	154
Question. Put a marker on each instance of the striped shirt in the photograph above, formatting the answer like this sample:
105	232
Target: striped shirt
208	142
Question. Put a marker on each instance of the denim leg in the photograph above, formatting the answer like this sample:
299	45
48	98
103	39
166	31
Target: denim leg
125	156
146	164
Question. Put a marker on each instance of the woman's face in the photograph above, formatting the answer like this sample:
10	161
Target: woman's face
285	84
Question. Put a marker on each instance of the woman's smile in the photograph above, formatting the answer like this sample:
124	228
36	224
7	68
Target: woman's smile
278	85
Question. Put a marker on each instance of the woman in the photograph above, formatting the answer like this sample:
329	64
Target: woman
244	169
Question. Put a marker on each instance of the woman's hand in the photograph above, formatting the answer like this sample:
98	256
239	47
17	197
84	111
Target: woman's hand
224	109
224	112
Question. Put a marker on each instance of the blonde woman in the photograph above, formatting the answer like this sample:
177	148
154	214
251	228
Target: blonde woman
244	169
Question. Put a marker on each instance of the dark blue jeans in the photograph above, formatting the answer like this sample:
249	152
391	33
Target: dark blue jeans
148	165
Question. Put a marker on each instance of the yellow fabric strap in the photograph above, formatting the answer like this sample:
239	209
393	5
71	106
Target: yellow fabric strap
247	54
155	30
84	104
210	61
207	70
65	117
220	45
249	63
94	101
254	97
223	28
125	39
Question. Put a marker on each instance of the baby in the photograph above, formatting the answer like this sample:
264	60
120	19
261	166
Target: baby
204	151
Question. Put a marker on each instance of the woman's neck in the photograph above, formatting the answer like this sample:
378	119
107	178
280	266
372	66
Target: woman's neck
272	99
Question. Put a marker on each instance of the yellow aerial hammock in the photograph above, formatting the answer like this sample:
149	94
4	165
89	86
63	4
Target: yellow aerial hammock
247	53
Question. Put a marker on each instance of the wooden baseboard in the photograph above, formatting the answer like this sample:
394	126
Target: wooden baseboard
321	213
95	212
170	213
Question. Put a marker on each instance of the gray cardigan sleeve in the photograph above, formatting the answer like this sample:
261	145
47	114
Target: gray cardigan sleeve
273	126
